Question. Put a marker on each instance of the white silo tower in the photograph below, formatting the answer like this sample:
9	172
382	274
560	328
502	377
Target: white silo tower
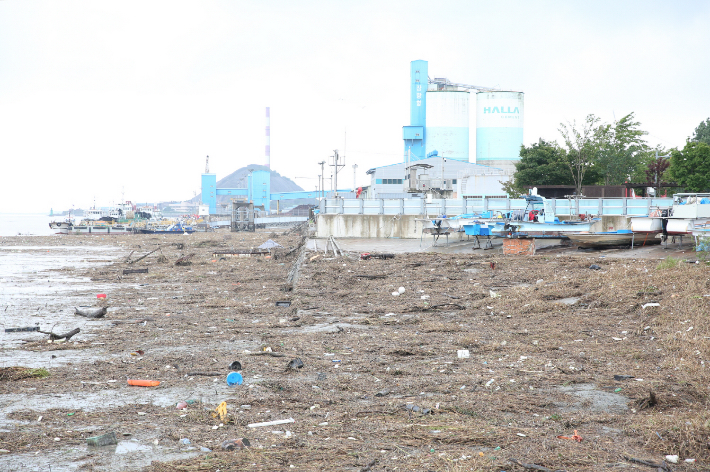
499	129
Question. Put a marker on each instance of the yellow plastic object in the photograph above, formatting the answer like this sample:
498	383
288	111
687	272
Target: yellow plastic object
221	410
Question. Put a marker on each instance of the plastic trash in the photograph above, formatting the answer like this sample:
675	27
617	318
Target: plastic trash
181	406
623	377
650	304
672	458
100	295
103	440
143	383
284	303
463	353
401	290
296	363
205	449
395	294
232	444
271	423
236	365
185	441
594	267
382	393
234	378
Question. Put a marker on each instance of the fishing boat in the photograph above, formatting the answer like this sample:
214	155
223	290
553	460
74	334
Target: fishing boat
61	227
538	220
689	214
100	228
622	237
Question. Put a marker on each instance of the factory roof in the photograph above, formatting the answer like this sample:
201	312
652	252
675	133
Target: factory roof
424	161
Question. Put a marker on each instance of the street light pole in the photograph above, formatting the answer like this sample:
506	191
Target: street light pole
322	177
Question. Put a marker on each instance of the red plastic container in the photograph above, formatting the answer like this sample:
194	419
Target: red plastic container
101	295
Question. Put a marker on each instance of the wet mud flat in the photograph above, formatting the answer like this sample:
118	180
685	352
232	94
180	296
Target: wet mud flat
382	385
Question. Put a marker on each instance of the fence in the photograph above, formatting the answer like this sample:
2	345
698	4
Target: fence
450	207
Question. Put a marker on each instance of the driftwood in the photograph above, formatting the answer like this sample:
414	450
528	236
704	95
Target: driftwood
266	353
135	271
137	321
99	313
67	336
185	260
371	277
128	259
205	374
661	466
533	466
143	257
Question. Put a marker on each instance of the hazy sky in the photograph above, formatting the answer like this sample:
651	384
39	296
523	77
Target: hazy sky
100	99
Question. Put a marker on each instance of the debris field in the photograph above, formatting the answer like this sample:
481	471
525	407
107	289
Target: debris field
421	361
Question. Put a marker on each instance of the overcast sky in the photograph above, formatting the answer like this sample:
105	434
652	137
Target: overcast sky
111	98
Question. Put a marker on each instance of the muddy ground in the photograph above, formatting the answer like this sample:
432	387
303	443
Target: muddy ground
545	335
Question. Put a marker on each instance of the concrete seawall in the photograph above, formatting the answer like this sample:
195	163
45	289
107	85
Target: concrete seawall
407	226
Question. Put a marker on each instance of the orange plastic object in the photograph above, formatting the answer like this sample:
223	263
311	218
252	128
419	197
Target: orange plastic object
575	437
143	383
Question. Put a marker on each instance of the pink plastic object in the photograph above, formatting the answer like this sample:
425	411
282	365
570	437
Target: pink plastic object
101	295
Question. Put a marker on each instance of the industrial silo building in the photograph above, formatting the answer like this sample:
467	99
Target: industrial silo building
447	128
499	129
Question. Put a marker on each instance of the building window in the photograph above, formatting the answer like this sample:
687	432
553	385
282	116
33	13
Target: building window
453	181
378	181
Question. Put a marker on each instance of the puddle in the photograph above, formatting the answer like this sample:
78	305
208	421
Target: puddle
34	293
325	328
125	447
127	455
593	400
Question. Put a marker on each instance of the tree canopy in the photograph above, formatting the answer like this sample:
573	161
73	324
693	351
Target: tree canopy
690	167
702	132
581	149
620	148
544	163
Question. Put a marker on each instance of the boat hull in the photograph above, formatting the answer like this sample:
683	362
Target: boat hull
541	230
646	225
611	239
101	229
60	227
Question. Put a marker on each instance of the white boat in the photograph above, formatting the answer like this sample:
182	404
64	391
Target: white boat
100	228
690	214
61	227
538	220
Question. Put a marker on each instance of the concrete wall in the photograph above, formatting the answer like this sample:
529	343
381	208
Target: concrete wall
369	226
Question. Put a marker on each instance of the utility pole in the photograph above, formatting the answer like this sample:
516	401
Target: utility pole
354	177
337	165
322	178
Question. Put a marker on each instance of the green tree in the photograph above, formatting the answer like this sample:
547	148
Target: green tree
690	167
581	149
543	163
702	132
619	149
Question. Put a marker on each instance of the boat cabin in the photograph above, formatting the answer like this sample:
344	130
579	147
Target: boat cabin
691	205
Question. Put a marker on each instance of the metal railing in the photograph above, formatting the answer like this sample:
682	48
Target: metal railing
450	207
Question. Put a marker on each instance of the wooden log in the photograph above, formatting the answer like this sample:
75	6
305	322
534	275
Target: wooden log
67	336
98	313
135	271
143	257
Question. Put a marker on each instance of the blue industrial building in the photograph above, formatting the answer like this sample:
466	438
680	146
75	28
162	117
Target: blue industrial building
257	191
439	121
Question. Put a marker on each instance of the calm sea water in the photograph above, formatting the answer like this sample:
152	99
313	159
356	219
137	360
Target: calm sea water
36	224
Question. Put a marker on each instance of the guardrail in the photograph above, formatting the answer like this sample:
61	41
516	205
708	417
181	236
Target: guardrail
450	207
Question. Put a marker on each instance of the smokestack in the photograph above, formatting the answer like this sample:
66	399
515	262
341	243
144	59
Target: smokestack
268	138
